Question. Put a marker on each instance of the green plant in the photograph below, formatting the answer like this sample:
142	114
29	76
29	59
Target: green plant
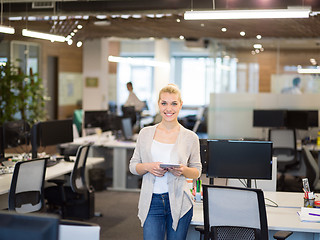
21	96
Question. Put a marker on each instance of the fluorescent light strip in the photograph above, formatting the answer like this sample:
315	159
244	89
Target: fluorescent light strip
247	14
45	36
8	30
137	61
309	70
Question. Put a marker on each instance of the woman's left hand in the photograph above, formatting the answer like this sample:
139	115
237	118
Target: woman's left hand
177	171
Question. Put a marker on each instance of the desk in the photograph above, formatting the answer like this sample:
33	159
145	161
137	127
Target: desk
57	170
120	165
283	217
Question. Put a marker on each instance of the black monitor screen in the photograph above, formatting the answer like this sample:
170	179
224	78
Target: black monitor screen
297	119
269	118
26	226
55	132
96	119
313	118
239	159
15	133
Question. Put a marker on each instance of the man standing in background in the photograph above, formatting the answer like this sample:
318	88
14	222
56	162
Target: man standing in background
133	100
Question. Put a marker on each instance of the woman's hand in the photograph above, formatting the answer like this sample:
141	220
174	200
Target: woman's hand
177	171
155	169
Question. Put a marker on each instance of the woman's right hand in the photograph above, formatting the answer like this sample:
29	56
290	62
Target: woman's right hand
155	169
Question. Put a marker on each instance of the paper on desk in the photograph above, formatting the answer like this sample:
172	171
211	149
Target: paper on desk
309	214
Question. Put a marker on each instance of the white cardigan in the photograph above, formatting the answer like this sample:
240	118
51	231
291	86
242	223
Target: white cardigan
186	151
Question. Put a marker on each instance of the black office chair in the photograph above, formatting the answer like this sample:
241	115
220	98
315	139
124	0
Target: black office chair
313	172
235	213
284	148
26	193
77	200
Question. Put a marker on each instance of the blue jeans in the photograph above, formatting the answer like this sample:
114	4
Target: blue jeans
159	221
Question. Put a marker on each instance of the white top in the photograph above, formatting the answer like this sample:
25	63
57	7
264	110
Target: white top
161	153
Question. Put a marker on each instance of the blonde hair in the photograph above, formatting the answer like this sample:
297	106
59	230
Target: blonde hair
172	89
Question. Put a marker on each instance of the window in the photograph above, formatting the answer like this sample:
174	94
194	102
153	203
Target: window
141	78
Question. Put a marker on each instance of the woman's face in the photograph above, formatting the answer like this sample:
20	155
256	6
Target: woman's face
169	106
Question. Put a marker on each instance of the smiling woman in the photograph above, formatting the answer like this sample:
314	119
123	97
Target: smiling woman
166	204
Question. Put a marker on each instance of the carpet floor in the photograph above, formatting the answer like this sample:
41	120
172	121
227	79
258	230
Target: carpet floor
119	219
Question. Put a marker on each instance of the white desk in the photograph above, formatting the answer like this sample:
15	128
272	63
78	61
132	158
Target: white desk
57	170
284	217
120	165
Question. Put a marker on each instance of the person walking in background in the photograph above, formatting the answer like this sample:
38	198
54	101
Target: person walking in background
166	203
295	88
133	100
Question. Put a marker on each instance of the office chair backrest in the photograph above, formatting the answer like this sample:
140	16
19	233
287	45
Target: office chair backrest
284	145
312	171
26	191
237	212
78	178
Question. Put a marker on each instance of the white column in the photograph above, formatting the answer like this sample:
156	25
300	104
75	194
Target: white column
95	65
161	73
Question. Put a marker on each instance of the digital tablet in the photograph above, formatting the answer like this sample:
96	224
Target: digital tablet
169	165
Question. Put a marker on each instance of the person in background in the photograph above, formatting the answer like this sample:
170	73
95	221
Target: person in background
133	100
166	203
295	89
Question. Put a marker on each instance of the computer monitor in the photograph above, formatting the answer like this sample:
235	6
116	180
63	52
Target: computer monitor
51	133
96	119
297	119
302	119
28	226
313	118
127	128
239	159
269	118
16	133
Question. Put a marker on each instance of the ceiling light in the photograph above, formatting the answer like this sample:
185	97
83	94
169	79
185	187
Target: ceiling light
178	20
308	70
202	24
18	18
257	45
5	29
45	36
248	14
69	41
79	44
242	33
181	37
139	62
79	26
223	29
258	36
101	17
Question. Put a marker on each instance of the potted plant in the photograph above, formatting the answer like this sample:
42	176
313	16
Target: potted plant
22	97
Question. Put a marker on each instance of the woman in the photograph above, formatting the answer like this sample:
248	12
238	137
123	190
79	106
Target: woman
166	205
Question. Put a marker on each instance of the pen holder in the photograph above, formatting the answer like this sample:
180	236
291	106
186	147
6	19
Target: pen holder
309	203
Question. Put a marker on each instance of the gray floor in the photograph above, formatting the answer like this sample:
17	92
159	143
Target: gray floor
119	220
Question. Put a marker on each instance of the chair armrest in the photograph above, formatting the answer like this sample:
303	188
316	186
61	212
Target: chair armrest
282	235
